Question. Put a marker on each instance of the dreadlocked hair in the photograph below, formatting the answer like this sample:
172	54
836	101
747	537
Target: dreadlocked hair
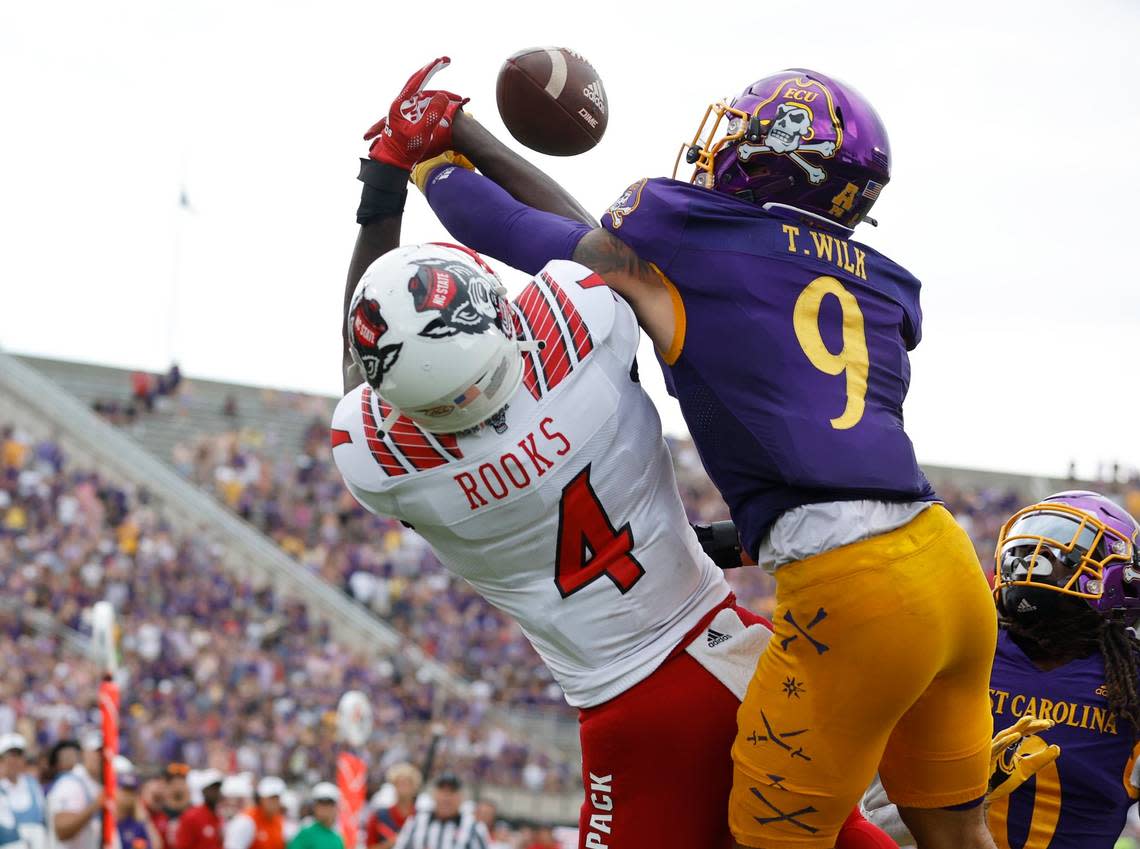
1121	652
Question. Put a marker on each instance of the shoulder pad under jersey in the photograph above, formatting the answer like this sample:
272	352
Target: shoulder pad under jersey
572	310
587	291
350	448
373	461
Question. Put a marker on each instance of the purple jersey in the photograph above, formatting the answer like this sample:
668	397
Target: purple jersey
1080	801
790	359
133	834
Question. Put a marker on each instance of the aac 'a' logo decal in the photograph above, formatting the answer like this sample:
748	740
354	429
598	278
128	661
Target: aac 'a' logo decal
465	303
797	120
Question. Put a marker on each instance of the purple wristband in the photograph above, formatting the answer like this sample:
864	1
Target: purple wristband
483	216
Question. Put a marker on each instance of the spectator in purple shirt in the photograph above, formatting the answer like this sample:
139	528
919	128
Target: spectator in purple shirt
136	830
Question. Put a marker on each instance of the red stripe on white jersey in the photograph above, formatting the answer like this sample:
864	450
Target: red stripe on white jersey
449	443
555	356
411	442
379	450
580	334
530	373
339	437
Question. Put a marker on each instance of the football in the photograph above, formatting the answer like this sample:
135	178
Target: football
552	100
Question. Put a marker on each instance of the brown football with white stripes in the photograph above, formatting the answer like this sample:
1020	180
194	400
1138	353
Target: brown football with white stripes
552	100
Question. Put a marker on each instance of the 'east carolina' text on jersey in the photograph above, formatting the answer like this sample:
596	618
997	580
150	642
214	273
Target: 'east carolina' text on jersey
569	519
1081	799
790	353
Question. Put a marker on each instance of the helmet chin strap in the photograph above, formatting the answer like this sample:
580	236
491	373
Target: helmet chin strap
525	346
389	421
772	205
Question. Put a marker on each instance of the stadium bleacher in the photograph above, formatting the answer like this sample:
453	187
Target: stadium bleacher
278	635
240	670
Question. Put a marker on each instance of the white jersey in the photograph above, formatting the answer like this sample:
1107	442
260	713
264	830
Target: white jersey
563	514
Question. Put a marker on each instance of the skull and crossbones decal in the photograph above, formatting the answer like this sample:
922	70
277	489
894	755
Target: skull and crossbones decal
790	134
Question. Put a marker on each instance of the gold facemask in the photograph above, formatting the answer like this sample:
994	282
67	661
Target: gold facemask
1058	544
702	154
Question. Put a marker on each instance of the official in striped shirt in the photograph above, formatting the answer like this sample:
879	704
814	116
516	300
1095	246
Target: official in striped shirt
445	826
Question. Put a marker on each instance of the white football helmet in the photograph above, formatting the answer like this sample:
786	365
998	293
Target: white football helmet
431	330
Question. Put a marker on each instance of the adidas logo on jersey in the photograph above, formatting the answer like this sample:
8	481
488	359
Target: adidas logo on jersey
716	638
594	92
1025	606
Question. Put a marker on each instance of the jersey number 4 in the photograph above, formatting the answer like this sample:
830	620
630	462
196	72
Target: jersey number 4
588	545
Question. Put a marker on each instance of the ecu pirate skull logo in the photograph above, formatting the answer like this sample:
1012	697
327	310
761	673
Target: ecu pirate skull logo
366	326
799	118
465	303
626	204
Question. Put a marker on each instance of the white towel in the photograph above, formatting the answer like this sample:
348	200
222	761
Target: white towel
729	650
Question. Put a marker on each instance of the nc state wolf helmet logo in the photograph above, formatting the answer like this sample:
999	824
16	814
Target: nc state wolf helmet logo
366	326
466	304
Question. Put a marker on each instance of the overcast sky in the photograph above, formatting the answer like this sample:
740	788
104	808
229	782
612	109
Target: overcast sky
1014	195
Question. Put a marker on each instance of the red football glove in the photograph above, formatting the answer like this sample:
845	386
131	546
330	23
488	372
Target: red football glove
418	124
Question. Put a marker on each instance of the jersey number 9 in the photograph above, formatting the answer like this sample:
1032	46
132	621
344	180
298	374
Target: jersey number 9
851	360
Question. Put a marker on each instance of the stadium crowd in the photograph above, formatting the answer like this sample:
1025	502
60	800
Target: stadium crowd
220	673
147	392
225	675
299	500
57	799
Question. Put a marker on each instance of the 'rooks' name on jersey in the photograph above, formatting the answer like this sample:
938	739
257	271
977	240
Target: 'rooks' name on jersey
494	480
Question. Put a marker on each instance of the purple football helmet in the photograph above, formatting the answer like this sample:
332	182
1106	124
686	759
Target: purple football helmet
796	139
1077	543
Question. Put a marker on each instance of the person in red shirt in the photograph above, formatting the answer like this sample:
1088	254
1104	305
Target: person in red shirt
384	825
166	798
544	839
200	827
380	835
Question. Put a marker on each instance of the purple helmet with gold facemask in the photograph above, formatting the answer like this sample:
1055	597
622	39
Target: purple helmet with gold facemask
797	139
1077	544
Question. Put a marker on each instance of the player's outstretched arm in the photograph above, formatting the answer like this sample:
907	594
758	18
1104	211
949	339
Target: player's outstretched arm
418	124
374	239
636	281
524	181
481	214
